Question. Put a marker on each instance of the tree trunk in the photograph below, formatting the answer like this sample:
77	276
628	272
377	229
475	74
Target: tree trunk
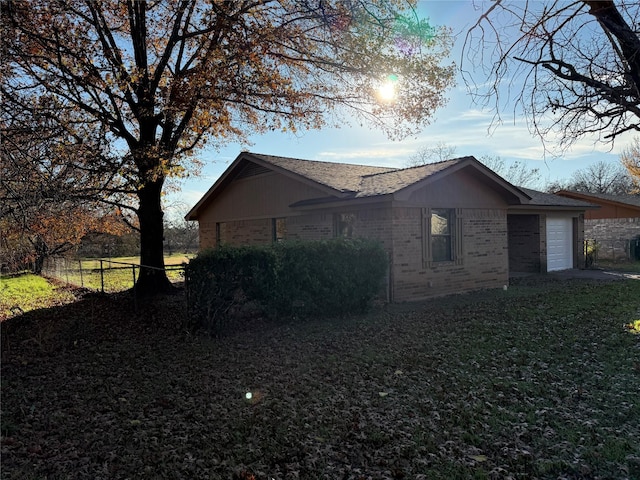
152	277
42	252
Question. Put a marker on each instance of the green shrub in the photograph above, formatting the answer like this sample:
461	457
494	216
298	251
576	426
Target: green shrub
220	281
331	277
591	253
328	277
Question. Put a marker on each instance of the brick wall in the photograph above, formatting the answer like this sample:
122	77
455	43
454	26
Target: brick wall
612	235
207	234
315	226
371	223
525	244
247	232
484	262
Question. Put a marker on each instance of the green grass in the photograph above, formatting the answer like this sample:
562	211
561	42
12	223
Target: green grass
627	266
27	292
117	273
538	382
175	259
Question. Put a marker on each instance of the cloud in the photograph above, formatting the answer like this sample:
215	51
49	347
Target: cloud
360	154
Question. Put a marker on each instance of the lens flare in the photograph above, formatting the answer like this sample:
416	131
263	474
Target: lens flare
387	91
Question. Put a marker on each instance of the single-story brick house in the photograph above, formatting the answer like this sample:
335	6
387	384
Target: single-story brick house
449	227
615	226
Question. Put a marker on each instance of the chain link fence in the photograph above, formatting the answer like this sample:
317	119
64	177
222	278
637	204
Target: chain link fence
102	275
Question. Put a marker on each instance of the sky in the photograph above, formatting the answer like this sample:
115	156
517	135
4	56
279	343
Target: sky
460	124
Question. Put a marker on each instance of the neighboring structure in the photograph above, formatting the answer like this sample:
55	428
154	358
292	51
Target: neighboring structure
614	227
449	227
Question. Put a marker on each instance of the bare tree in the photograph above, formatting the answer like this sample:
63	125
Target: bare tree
578	61
601	177
180	234
630	159
516	172
439	152
48	199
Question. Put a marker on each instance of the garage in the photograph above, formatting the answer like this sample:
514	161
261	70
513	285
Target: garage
559	243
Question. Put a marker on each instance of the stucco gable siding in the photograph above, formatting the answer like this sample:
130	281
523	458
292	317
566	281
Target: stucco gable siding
458	190
265	195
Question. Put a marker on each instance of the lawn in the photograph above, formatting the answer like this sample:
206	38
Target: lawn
21	293
540	381
622	266
117	273
24	292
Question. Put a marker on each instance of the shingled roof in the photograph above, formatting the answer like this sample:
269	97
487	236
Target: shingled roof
625	200
338	176
341	181
550	200
361	180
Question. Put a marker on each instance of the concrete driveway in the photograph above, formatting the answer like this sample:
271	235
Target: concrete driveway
595	274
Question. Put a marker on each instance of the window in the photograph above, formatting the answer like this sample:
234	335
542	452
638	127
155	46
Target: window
221	233
279	229
441	234
344	224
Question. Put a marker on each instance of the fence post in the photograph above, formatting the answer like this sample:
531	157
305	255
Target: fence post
135	296
186	287
81	279
101	277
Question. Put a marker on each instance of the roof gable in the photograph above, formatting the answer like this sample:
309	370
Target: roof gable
339	181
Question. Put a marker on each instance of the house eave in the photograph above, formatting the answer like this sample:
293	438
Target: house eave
554	208
591	198
327	202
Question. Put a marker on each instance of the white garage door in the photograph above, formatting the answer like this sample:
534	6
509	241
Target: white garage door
559	243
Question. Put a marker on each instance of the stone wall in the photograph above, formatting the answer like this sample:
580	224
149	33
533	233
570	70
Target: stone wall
612	236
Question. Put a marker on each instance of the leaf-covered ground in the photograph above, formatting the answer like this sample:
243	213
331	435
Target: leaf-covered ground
541	381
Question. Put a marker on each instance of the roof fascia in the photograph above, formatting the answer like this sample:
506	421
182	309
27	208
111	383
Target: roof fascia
549	208
591	198
322	204
222	179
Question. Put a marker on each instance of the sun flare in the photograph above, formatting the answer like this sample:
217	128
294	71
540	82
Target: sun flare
387	91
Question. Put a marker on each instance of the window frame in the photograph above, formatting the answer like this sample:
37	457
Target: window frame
220	226
448	214
274	229
454	223
343	224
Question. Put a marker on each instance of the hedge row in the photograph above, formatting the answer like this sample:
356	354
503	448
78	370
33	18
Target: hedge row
333	277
